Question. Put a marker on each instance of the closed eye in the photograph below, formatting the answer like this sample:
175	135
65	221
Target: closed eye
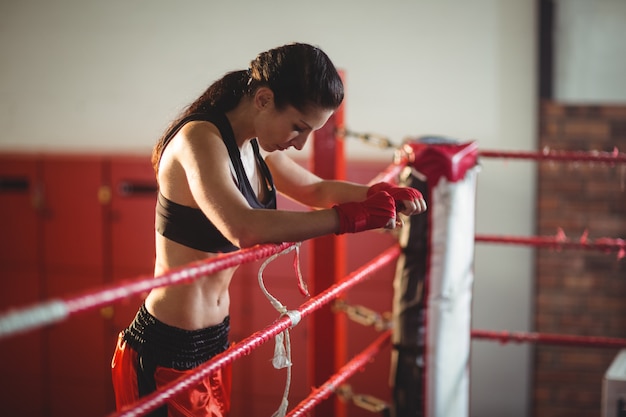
300	129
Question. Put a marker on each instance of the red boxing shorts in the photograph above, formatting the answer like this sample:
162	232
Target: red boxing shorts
150	354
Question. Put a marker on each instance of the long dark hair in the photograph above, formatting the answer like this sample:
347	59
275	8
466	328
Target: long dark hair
299	75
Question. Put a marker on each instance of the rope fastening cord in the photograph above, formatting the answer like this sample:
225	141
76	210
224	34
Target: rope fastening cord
282	348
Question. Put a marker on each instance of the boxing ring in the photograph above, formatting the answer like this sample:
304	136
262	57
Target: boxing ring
431	322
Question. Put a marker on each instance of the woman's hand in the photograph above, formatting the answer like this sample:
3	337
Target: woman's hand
408	200
377	211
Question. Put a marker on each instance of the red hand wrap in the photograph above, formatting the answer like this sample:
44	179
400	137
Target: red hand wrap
399	194
375	212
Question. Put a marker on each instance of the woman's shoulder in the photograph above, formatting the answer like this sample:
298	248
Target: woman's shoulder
197	134
198	129
197	142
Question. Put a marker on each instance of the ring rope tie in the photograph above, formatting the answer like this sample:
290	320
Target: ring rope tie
282	348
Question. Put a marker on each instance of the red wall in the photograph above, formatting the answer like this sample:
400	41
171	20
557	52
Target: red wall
74	222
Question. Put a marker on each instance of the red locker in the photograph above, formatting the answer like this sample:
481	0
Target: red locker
131	239
19	205
78	358
133	198
75	204
21	357
133	191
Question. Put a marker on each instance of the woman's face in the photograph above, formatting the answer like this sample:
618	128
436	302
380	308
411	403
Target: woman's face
278	130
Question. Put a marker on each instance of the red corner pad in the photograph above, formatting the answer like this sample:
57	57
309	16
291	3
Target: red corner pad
436	157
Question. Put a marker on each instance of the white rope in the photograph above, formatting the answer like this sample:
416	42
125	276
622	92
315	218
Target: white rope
282	348
30	318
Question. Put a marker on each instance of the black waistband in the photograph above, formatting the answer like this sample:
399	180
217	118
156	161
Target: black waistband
173	347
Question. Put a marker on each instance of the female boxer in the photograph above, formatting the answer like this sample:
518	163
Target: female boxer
217	193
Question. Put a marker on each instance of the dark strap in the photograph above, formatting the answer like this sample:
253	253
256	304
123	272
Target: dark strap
228	137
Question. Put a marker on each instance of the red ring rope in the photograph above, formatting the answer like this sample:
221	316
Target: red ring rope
558	242
320	394
181	275
390	173
53	311
158	398
550	339
572	156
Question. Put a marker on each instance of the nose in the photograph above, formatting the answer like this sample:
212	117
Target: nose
299	141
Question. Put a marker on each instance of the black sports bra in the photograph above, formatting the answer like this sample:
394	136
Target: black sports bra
189	226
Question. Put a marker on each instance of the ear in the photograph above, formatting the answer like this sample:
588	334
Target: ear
263	97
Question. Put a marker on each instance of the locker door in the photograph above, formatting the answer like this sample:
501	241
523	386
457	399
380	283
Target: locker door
79	356
131	227
21	360
73	235
73	209
19	220
133	191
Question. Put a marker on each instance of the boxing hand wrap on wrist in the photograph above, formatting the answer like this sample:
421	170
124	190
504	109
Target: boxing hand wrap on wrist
379	210
398	193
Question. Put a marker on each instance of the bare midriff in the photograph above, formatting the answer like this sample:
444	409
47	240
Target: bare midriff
202	303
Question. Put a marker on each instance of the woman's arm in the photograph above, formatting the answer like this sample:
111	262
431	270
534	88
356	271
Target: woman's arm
201	154
301	185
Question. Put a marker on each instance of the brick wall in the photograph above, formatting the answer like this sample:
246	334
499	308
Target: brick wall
579	292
